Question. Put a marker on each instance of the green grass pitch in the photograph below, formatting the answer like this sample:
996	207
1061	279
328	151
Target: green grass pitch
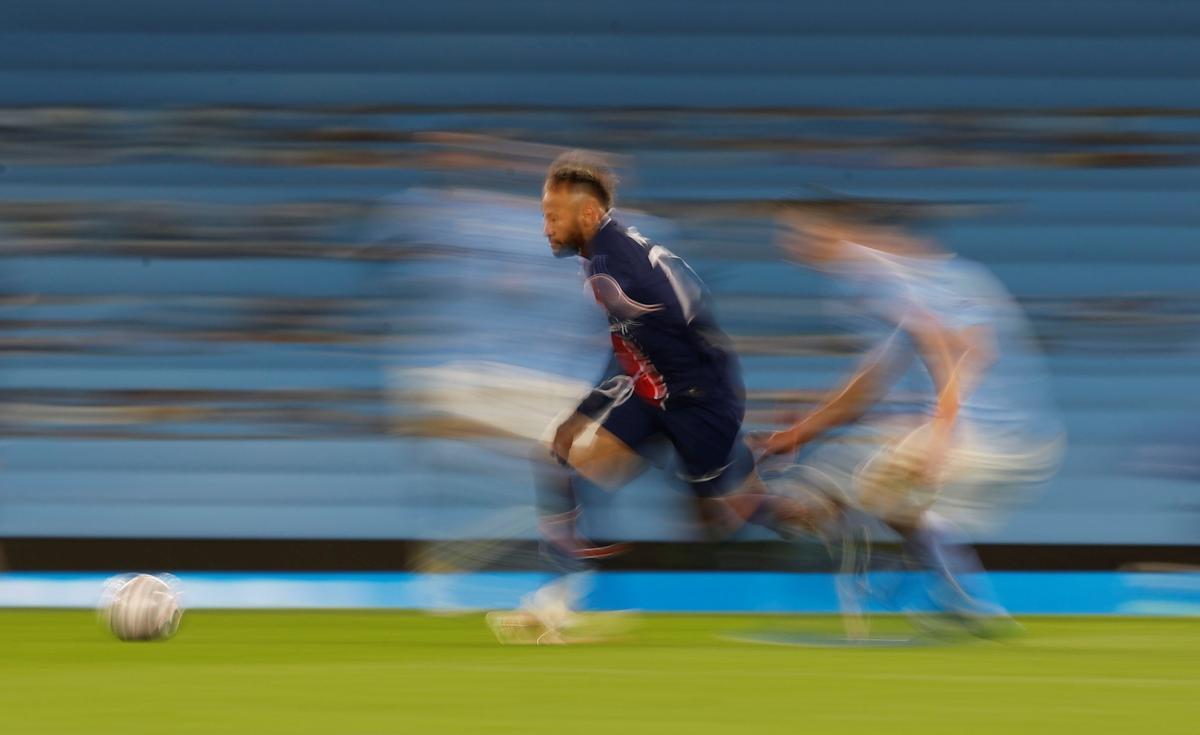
369	673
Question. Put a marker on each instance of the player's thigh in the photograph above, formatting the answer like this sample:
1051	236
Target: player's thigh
887	487
610	457
991	476
714	458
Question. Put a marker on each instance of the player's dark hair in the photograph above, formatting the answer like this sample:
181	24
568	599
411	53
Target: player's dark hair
586	171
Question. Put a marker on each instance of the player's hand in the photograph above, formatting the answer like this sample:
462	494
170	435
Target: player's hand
775	443
566	434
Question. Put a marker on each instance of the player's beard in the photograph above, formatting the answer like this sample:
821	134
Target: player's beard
564	250
568	246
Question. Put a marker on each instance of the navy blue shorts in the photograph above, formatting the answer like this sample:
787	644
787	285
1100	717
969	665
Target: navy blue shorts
706	437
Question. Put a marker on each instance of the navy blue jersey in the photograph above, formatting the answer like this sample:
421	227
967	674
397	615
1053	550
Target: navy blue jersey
663	332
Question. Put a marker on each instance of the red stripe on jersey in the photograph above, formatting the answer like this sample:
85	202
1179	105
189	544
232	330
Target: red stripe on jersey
648	383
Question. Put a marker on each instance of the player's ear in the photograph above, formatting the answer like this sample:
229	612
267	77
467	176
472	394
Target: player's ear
591	212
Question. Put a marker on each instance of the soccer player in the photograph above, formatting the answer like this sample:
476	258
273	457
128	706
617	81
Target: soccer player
945	332
677	379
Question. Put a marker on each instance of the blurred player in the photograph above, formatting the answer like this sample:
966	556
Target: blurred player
677	380
490	343
945	333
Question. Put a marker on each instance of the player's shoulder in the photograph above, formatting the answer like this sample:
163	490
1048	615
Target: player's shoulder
619	246
969	277
614	234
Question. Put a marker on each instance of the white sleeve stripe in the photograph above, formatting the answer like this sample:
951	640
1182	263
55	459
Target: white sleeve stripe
620	293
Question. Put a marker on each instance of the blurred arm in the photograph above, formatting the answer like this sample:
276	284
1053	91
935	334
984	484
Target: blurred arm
844	404
944	355
956	361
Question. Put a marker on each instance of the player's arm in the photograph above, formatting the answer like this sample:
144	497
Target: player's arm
944	355
956	361
844	404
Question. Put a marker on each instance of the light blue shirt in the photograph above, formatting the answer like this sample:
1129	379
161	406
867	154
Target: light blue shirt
885	292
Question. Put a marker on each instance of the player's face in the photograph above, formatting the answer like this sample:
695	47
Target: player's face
562	218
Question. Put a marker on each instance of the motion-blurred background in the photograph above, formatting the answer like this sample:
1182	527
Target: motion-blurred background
275	295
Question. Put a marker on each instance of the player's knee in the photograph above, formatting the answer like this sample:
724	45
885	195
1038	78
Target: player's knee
606	475
606	461
717	520
541	453
581	461
737	474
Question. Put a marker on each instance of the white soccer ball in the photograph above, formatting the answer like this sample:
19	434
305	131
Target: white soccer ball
142	607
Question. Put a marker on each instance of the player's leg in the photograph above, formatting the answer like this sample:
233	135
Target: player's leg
720	469
828	470
603	455
956	584
931	541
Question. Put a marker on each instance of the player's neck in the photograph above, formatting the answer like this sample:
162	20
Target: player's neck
586	248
